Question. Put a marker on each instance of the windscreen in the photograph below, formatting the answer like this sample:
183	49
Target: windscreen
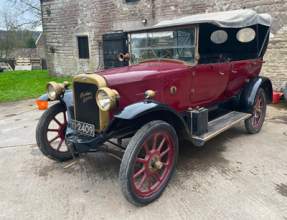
177	44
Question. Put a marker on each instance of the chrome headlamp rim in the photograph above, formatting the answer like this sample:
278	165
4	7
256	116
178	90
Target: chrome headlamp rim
112	95
58	89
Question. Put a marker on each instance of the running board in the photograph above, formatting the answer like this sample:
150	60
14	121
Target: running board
221	124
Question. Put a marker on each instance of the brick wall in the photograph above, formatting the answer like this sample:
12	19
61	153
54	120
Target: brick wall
71	18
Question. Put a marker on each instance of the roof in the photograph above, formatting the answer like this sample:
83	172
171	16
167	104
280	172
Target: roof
38	38
227	19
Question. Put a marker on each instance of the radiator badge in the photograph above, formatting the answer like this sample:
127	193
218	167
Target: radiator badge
86	96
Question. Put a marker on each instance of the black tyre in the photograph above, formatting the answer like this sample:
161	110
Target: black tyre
148	163
254	124
50	133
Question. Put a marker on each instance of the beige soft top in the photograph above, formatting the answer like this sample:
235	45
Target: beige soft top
227	19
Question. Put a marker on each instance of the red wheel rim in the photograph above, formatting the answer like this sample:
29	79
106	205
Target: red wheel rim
258	111
153	164
58	133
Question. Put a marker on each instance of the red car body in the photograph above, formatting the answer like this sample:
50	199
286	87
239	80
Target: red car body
191	78
210	82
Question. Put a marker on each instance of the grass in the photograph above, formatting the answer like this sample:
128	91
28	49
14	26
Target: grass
19	85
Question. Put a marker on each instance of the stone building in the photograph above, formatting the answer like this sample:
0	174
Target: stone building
40	45
67	23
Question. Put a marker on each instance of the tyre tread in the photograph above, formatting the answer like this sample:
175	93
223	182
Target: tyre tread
248	123
40	125
130	150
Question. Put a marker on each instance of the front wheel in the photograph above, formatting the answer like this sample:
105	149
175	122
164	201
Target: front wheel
50	133
148	162
254	124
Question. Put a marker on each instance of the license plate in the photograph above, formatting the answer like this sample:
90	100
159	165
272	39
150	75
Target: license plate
82	127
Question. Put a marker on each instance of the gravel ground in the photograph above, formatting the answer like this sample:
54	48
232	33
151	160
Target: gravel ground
233	176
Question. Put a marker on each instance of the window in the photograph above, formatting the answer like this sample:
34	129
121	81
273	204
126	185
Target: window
177	44
218	37
245	35
83	45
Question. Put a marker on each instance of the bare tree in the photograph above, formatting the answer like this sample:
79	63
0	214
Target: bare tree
31	7
11	34
8	23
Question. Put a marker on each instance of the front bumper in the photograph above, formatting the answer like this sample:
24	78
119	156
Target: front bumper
83	143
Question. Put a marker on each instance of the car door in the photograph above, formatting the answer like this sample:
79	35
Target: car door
238	76
209	83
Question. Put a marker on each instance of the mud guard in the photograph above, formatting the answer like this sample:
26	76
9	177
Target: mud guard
247	95
44	97
150	110
67	100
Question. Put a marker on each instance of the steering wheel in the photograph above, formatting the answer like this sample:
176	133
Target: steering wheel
167	53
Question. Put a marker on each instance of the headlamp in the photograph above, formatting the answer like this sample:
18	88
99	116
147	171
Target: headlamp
55	90
107	98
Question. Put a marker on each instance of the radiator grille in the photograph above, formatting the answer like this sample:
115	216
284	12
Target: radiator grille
86	106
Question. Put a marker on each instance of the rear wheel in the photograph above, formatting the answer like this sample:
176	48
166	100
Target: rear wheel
254	124
50	133
148	163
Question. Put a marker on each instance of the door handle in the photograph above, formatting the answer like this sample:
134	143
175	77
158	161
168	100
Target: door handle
221	74
233	71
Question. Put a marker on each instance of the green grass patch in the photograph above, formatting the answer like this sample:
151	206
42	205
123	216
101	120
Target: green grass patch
19	85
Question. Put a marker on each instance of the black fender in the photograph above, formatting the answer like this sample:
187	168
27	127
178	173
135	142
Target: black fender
247	96
44	97
66	99
143	112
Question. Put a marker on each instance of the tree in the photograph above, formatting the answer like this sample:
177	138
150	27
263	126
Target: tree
32	7
1	44
8	23
12	34
30	42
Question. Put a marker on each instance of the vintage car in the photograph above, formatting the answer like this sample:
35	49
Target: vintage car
190	78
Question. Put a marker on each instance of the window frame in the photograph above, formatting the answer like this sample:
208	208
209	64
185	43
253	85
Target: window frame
130	1
85	52
196	55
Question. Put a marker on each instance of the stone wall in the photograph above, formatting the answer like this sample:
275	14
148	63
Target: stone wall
276	59
23	53
64	20
40	45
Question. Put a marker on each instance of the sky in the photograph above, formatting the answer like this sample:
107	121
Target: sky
26	15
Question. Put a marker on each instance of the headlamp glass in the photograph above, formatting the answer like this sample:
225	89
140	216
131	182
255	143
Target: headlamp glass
104	100
51	91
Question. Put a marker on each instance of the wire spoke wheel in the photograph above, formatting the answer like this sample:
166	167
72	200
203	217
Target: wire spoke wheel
148	162
50	134
254	124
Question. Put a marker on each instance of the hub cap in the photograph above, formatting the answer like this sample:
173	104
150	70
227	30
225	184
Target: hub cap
153	164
